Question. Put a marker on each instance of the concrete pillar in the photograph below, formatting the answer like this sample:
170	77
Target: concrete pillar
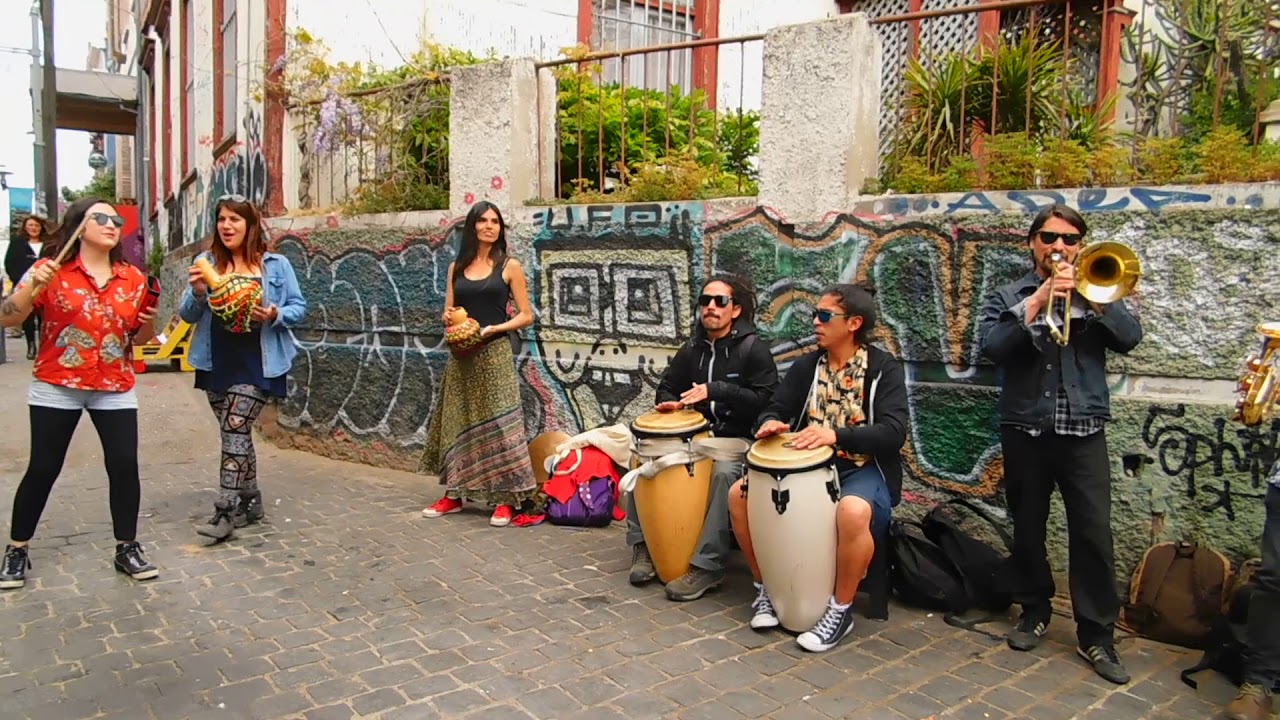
1270	120
494	134
820	113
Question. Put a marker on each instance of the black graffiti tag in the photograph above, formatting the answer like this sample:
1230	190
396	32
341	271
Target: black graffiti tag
1180	451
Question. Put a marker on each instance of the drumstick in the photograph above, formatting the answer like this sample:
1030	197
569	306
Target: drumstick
62	254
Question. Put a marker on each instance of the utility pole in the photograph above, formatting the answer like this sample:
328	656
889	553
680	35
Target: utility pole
37	124
50	110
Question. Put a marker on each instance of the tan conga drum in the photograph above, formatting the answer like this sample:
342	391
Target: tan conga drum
791	508
541	448
672	505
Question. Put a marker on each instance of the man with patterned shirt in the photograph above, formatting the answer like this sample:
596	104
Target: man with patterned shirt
1262	659
1054	402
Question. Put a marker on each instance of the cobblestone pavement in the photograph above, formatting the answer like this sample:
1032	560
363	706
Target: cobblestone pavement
347	603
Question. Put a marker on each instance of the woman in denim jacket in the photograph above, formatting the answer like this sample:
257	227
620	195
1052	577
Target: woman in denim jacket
241	371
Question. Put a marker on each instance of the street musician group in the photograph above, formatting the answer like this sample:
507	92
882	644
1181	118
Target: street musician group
823	453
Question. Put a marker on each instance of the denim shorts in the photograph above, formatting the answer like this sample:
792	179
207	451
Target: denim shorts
43	394
867	482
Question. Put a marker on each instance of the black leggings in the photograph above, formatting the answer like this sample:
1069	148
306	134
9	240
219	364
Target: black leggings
51	431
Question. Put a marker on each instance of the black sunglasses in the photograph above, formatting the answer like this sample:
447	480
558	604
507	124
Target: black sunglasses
1068	239
103	218
824	316
720	300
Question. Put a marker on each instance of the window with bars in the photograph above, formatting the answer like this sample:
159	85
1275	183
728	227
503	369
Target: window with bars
188	86
225	31
626	24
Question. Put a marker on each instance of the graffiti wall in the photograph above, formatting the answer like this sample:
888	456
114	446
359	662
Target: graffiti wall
614	287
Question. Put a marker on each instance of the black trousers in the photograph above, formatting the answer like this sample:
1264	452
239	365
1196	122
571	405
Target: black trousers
1080	469
1262	666
51	431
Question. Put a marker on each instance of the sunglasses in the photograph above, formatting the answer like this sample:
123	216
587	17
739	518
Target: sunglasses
824	316
103	219
234	198
719	300
1068	239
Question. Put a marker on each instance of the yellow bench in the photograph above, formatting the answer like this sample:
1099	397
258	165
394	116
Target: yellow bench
177	340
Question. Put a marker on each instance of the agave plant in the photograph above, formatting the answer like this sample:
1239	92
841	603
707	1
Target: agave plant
1026	78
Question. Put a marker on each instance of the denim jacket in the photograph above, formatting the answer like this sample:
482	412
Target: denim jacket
278	347
1032	364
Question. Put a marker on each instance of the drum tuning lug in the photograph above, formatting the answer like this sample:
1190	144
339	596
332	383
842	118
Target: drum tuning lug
833	489
780	500
743	491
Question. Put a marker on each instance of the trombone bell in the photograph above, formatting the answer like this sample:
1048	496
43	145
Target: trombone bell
1106	272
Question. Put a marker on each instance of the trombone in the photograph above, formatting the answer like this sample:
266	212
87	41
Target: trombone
1105	272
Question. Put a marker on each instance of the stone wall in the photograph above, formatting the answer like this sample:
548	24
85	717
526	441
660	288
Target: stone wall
613	289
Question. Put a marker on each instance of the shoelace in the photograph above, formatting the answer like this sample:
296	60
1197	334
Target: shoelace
763	603
1254	691
829	622
14	562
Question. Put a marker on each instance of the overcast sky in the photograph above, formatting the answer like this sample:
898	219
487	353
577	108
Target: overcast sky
77	25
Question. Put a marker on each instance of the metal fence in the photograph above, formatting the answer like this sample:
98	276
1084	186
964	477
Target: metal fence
375	146
633	119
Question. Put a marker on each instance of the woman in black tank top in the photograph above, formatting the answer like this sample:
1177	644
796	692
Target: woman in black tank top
476	442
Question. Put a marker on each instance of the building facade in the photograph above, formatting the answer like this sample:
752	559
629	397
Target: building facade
212	123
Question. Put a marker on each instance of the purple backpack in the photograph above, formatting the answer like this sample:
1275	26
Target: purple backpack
591	504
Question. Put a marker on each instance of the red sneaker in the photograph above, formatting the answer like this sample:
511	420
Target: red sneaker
501	516
443	506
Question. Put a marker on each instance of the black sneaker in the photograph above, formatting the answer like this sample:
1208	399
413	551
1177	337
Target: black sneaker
221	525
1105	662
131	562
249	511
830	629
642	570
1029	632
14	567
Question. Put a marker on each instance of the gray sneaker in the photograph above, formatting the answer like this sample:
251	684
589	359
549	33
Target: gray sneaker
694	584
642	570
222	526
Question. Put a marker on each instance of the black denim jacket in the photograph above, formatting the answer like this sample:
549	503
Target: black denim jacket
1032	365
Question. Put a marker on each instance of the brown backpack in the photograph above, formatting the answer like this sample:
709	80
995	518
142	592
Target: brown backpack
1176	593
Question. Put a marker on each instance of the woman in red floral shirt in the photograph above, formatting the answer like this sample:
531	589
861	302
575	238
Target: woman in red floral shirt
88	308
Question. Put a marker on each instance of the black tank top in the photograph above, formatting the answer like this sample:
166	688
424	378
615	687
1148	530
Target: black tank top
485	300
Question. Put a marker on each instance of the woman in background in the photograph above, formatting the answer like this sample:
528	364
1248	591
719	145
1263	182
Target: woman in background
241	371
476	443
23	252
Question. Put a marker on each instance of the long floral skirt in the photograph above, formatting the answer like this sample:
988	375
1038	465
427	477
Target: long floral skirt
476	442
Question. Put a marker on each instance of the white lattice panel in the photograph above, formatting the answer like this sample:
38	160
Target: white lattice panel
894	45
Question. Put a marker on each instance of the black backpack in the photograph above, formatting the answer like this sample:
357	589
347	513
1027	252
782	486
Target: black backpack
1226	647
920	572
986	571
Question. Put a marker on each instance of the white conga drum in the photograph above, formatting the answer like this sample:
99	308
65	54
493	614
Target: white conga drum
671	505
791	507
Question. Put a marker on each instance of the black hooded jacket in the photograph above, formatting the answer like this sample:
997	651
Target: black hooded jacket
739	372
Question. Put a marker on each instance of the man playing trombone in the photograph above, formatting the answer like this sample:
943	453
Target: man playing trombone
1048	332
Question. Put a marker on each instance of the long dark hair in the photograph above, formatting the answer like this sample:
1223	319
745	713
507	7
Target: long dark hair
71	220
742	292
470	245
255	242
859	300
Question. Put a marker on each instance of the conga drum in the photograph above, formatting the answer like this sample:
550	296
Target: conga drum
791	508
672	505
541	448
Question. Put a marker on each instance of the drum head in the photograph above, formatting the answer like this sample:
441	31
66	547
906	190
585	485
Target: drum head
670	423
775	453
